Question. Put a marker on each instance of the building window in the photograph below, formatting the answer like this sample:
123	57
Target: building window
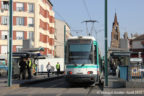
31	36
20	21
19	35
30	22
31	7
4	20
20	6
4	35
18	48
5	5
4	50
116	37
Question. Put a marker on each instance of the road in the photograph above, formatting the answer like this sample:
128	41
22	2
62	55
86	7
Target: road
61	88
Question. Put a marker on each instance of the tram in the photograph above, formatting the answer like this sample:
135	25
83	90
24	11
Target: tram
82	60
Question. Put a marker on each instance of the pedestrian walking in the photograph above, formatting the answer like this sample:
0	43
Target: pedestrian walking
48	68
58	68
22	65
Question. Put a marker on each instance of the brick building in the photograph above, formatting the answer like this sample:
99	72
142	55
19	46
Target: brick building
115	35
137	48
32	19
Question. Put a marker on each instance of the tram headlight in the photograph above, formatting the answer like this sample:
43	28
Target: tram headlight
90	72
69	72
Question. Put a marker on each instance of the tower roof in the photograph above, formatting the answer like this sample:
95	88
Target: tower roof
115	20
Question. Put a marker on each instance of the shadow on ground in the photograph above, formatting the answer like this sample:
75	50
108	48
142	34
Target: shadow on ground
61	83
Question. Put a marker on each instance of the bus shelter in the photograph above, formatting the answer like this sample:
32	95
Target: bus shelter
33	54
120	61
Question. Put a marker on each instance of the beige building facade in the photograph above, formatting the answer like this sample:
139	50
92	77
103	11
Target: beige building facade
59	37
32	19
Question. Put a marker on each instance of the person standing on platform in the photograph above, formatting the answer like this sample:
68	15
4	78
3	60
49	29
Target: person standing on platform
58	68
22	65
29	68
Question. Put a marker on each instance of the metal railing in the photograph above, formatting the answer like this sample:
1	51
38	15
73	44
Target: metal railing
136	73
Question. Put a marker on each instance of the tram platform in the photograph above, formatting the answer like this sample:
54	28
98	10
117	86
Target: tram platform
114	82
20	83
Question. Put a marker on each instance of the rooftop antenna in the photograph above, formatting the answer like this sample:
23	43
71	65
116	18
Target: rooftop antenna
89	33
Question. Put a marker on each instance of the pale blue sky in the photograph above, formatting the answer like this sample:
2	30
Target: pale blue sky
130	15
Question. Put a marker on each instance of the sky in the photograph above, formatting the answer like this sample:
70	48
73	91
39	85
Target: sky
130	16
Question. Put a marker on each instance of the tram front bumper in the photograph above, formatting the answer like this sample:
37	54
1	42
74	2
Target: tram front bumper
75	78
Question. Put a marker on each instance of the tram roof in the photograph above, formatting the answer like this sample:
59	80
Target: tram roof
82	37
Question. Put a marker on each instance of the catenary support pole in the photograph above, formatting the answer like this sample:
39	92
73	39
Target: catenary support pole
10	42
106	65
64	44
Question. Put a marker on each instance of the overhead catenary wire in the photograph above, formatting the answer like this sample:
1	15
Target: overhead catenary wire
59	15
71	28
96	32
85	5
88	21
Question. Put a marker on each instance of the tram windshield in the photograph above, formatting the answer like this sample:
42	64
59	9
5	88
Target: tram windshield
80	53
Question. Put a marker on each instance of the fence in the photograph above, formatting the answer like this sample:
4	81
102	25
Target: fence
136	73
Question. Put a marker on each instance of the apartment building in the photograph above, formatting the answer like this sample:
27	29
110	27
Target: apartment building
59	37
32	19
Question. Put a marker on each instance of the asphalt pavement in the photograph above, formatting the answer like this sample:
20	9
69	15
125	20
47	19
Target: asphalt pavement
41	85
59	87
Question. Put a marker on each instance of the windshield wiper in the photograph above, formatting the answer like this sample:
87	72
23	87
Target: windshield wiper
75	64
83	64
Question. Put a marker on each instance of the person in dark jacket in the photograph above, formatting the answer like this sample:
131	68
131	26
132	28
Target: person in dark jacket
22	65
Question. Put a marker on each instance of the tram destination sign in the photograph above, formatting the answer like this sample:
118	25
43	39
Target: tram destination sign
79	41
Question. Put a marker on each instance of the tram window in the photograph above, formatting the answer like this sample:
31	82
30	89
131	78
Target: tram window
80	54
95	54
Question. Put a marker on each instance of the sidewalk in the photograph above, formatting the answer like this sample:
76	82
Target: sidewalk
35	79
114	82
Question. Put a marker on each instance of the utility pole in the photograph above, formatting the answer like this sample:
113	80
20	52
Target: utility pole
64	44
106	65
10	42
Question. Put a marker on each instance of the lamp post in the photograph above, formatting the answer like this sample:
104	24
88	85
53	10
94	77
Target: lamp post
106	65
10	42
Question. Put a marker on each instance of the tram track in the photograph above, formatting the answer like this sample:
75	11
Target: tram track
96	87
